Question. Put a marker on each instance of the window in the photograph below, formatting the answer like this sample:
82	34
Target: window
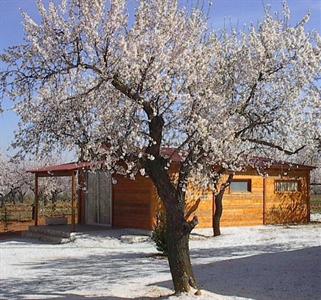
240	186
286	186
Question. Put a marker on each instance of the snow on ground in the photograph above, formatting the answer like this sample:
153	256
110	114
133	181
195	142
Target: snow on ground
316	217
264	262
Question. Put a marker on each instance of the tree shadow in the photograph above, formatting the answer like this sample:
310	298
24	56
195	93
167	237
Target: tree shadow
71	296
9	235
276	273
290	208
294	275
59	278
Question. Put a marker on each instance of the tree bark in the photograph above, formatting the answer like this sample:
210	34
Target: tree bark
218	214
177	228
218	198
178	231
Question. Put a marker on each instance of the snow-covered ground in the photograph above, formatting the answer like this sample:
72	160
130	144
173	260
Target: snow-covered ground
264	262
315	217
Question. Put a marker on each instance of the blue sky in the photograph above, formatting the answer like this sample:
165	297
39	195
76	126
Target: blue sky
235	12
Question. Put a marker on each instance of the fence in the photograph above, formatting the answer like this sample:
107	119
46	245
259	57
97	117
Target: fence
20	216
315	203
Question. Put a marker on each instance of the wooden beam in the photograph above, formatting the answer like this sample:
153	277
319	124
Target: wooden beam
308	197
81	196
264	200
213	211
55	174
36	204
113	204
73	200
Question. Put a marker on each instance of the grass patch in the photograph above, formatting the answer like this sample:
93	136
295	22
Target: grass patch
315	203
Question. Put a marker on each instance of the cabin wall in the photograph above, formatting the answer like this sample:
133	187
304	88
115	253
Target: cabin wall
262	205
156	206
238	208
244	208
136	203
202	209
132	203
287	207
199	202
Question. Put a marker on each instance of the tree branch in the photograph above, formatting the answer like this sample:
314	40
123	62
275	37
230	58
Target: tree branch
190	225
272	145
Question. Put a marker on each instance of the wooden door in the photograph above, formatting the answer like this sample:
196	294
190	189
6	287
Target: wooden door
98	198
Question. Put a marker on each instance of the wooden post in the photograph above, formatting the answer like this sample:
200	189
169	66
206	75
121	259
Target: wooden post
308	187
213	210
73	198
36	204
81	196
264	200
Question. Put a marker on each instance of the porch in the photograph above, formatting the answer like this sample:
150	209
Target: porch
77	172
62	234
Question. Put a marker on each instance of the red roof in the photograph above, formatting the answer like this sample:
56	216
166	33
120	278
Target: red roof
171	153
73	166
175	156
268	163
260	162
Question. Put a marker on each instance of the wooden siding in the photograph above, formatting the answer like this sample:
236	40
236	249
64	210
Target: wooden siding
98	198
287	207
238	208
136	202
203	211
156	206
132	203
243	209
250	208
205	207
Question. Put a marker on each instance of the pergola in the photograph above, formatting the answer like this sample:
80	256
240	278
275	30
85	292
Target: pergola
63	170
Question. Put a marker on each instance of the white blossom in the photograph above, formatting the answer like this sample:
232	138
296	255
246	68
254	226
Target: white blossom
85	78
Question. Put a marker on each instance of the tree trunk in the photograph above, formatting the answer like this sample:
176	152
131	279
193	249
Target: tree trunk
219	206
177	228
173	198
178	253
218	214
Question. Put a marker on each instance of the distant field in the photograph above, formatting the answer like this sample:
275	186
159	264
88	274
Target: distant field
316	203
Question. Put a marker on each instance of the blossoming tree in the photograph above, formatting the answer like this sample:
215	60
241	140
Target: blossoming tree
16	183
123	90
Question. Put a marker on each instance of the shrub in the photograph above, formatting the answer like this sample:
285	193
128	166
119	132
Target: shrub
159	234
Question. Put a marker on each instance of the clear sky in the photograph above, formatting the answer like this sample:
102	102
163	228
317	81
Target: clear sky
235	12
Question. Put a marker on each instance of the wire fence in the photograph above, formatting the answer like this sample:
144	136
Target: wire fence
315	203
15	217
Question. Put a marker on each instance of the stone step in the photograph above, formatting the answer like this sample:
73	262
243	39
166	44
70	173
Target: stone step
51	232
48	238
131	239
48	235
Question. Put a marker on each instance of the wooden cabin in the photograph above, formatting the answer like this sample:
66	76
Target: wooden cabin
281	196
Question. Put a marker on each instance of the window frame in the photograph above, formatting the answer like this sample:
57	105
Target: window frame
249	186
276	181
